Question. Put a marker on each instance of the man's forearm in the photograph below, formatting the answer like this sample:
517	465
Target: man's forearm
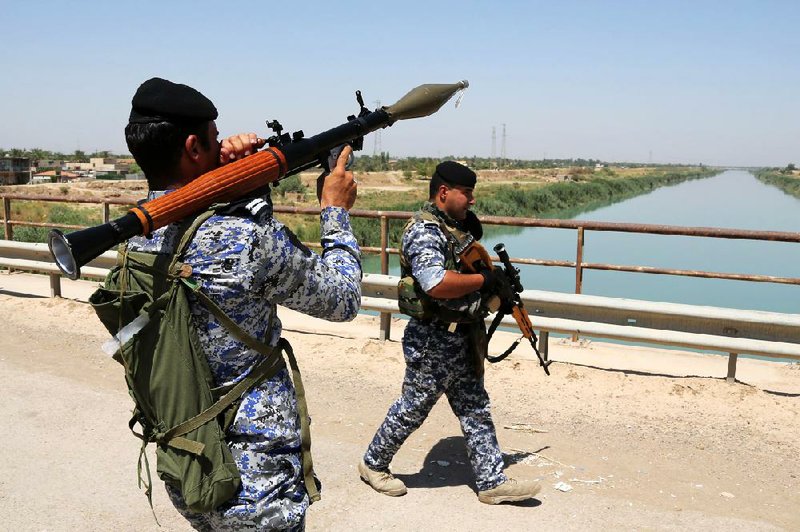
454	285
338	234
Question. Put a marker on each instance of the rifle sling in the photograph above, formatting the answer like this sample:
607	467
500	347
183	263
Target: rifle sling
493	327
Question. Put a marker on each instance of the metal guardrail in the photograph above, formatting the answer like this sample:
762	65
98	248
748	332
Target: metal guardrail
726	330
699	327
580	226
577	324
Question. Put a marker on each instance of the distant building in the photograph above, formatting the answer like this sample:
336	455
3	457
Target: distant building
67	177
48	176
15	170
100	166
41	164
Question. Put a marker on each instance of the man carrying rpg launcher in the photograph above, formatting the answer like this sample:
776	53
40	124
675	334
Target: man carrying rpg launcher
238	263
445	341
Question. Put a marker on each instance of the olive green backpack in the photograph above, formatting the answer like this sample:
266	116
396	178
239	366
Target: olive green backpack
144	302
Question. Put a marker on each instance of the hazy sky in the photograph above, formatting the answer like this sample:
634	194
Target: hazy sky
681	81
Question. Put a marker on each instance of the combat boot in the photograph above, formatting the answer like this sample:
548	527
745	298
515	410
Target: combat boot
382	481
509	491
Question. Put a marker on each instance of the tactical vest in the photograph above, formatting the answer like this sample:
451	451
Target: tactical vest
412	299
145	303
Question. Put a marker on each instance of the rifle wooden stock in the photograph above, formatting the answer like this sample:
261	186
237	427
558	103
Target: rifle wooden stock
475	258
523	320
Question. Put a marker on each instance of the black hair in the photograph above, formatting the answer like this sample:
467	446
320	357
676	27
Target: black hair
157	147
436	182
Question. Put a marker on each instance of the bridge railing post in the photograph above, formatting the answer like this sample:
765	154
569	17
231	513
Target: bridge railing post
9	230
579	269
386	317
55	285
732	358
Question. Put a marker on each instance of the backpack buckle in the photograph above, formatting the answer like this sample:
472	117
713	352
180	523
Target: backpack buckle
182	270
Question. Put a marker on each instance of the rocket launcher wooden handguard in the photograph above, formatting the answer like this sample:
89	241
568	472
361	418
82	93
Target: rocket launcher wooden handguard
218	186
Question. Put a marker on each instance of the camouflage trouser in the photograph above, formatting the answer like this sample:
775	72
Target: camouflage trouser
437	362
272	497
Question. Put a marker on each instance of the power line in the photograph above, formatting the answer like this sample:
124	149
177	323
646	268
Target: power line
503	147
376	147
494	146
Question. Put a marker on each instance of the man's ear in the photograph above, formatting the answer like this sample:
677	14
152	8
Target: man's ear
192	147
442	192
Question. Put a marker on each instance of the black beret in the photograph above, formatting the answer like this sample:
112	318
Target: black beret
456	174
159	100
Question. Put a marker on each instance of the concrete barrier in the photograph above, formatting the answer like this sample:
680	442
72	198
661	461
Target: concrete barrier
726	330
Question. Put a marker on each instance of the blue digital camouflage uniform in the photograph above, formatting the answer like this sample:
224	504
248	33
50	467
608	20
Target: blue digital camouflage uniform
438	362
248	262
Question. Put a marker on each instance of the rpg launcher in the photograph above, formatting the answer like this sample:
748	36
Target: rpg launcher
285	155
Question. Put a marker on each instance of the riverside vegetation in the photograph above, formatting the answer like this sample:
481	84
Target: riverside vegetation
529	193
562	199
786	179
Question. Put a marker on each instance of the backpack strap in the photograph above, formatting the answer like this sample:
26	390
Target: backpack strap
271	363
264	369
305	429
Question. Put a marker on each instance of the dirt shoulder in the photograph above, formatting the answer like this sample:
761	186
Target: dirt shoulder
642	438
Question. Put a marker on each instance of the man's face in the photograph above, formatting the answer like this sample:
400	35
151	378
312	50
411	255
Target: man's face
209	157
456	200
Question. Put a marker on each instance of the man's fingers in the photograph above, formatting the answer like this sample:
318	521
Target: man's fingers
341	161
238	146
238	143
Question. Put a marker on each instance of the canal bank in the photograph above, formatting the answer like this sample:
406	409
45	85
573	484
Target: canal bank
568	195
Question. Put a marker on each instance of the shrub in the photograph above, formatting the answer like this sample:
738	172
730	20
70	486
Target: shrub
291	184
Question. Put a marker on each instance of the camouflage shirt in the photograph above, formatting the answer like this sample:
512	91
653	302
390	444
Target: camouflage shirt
248	262
426	249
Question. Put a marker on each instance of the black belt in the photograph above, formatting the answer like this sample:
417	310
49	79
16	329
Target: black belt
462	327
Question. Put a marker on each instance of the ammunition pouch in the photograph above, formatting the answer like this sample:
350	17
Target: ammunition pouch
410	302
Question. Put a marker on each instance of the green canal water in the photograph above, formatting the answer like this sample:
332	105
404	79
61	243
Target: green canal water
732	199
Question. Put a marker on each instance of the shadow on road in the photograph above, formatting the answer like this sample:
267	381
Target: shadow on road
447	464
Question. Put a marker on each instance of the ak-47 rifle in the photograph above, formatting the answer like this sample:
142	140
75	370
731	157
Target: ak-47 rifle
475	258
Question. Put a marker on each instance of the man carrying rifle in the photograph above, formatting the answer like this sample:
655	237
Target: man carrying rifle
246	262
444	341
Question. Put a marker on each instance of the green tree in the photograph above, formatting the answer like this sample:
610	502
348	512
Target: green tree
291	184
